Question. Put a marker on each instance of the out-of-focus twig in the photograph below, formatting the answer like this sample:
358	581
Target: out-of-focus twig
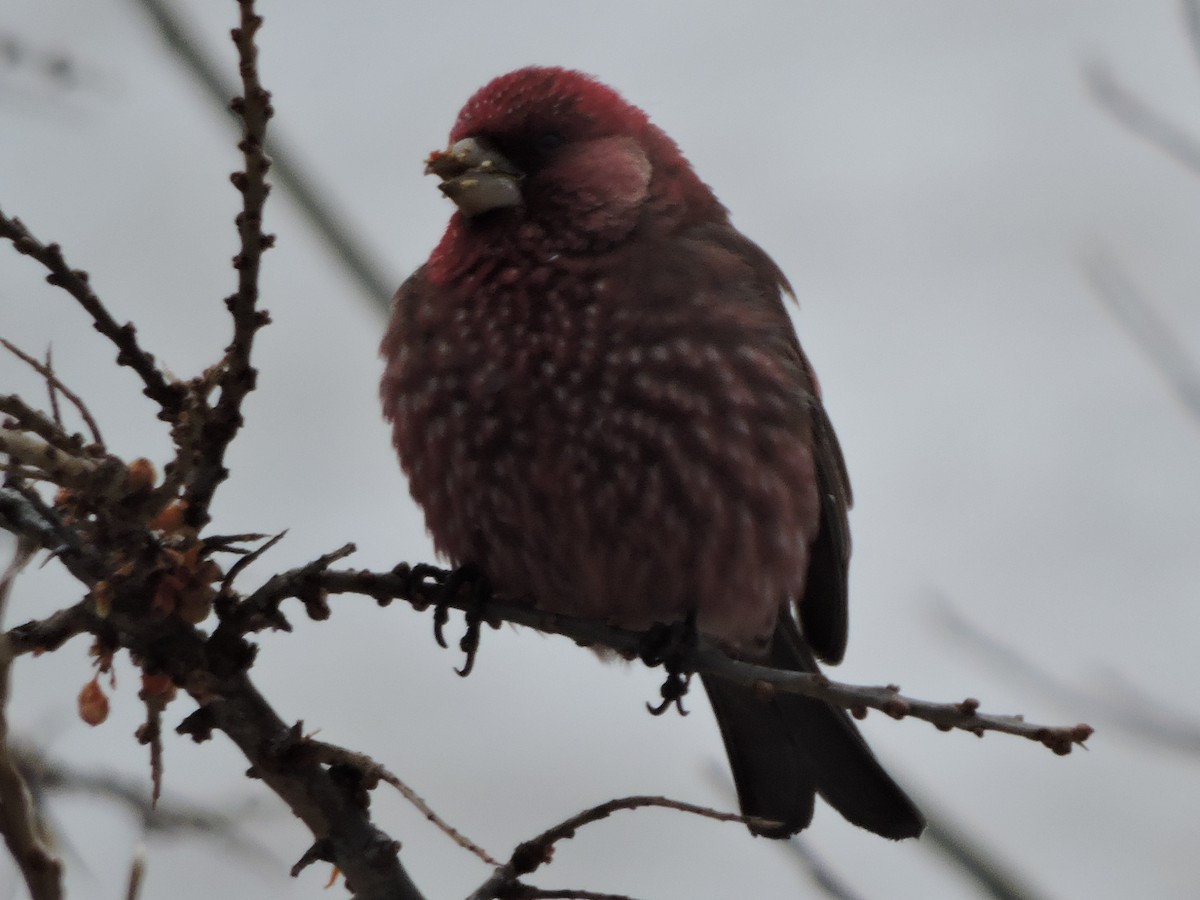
1146	326
287	172
40	867
1142	119
816	869
992	877
1191	19
1135	713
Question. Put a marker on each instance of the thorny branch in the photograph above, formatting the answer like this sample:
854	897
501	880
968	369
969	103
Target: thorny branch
423	587
237	377
167	395
136	546
57	387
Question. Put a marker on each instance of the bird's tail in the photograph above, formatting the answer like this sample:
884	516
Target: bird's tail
785	749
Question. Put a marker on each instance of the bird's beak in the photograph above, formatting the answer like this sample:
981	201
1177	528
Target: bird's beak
475	176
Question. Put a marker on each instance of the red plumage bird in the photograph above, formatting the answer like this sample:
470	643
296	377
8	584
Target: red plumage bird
601	406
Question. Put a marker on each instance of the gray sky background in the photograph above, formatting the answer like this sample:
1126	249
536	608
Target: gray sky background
927	174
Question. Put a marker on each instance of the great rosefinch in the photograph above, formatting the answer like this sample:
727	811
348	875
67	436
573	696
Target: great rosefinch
601	405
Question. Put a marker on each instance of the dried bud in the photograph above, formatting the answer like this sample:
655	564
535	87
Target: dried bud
93	704
171	518
102	597
157	687
141	476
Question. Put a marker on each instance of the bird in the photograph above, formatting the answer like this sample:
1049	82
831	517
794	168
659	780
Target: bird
603	409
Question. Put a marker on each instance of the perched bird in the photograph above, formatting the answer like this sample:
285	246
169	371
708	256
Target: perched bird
602	407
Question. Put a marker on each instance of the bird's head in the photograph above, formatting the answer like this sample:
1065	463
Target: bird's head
559	148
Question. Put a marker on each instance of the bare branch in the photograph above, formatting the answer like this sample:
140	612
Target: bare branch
535	853
41	869
167	395
56	387
29	419
236	377
374	772
60	467
400	584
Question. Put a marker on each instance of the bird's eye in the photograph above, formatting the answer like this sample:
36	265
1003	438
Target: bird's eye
548	141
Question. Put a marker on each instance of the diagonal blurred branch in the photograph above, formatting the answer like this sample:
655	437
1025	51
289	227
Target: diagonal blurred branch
991	876
40	868
1149	330
1191	19
315	206
1129	710
1142	119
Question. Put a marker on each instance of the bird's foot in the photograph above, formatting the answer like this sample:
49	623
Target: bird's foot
446	590
669	646
479	591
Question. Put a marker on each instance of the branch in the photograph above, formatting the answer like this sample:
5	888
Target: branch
41	869
236	377
315	206
373	773
56	386
168	396
535	853
1141	715
424	589
1146	326
1142	119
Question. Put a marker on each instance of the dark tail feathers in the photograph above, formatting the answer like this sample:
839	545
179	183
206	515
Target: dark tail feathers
785	749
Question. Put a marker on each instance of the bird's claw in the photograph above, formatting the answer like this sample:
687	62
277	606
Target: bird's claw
479	592
424	575
669	646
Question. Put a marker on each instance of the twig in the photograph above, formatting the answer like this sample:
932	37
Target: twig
1142	119
29	419
963	715
815	868
317	208
705	658
535	853
334	231
1139	715
167	395
373	771
56	387
1142	322
1191	19
25	514
55	412
237	568
55	465
46	776
992	877
261	609
40	868
136	870
236	377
